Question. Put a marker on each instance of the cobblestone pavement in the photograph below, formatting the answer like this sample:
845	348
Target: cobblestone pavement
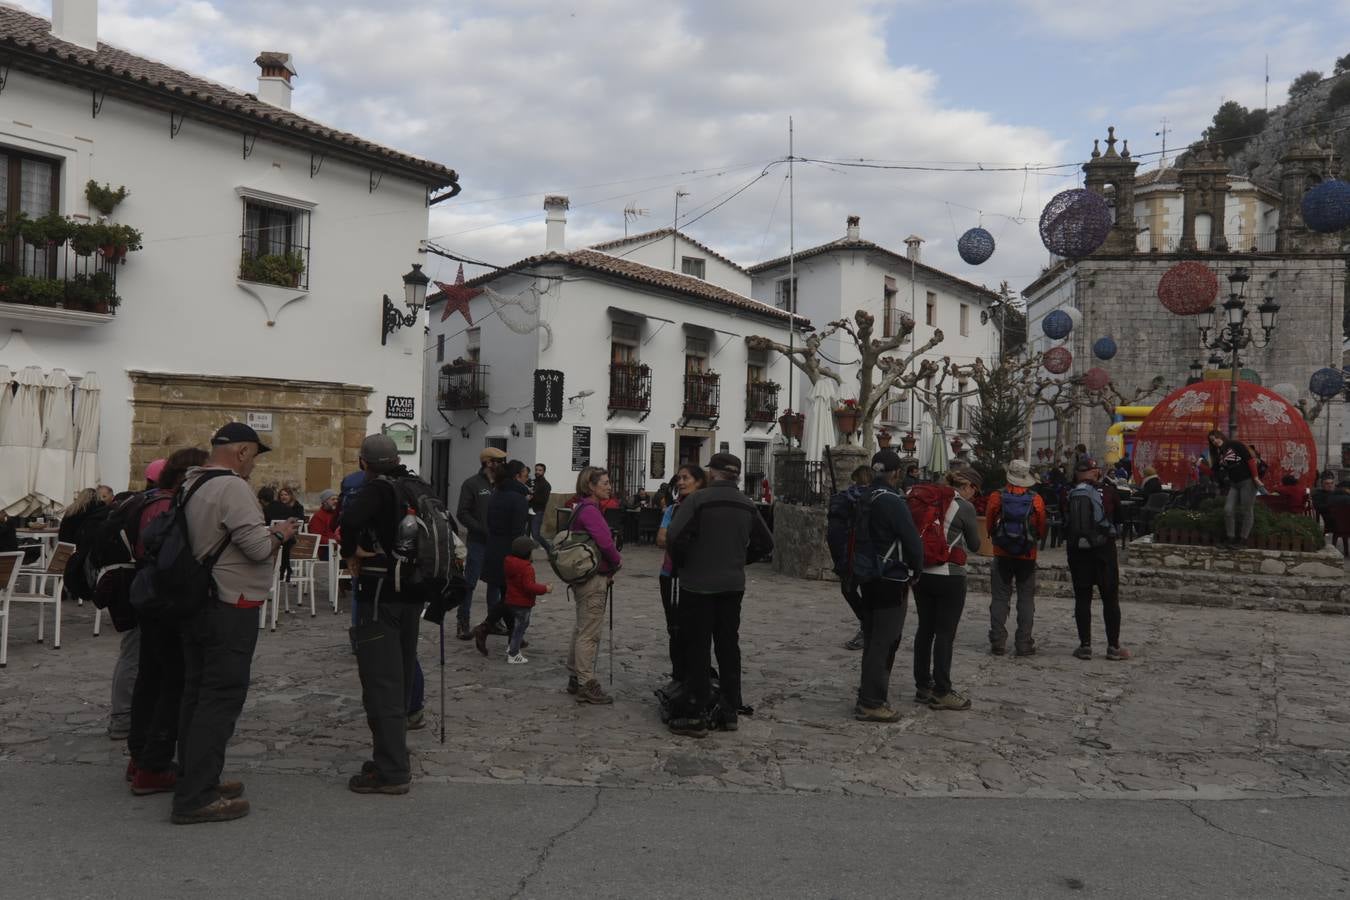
1217	704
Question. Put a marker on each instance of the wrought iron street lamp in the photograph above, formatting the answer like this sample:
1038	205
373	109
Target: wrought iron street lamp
1197	371
414	297
1227	332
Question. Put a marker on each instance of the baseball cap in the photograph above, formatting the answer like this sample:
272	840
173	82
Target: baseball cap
725	462
153	471
237	433
886	461
491	453
378	450
1086	464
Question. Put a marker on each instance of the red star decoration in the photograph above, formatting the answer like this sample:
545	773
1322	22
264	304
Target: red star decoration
457	296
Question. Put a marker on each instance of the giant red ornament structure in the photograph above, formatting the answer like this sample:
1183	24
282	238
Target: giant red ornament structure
1175	433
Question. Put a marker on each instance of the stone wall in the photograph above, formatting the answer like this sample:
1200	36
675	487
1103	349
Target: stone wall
1325	563
799	542
317	427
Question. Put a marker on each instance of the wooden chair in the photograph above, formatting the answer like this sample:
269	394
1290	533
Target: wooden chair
44	589
10	563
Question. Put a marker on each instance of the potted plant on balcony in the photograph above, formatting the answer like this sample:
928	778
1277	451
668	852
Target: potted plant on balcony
103	197
908	442
118	241
282	269
846	417
791	423
48	231
86	237
884	439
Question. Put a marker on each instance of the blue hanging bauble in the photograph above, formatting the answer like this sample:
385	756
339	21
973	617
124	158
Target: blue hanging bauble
1326	206
1057	325
975	246
1326	383
1104	348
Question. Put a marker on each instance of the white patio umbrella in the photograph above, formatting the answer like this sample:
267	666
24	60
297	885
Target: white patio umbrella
820	431
51	487
20	444
6	393
84	466
937	453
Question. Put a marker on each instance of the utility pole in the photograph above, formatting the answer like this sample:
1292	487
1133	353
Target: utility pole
792	265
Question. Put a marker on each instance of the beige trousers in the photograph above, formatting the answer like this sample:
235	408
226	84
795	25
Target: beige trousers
589	597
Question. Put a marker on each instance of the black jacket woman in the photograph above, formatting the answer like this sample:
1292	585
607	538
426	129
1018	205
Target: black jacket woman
508	517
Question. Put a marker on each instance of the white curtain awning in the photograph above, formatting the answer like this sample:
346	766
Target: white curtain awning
51	486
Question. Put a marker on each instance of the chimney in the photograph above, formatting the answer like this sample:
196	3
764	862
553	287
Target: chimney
912	247
853	228
274	78
76	21
555	223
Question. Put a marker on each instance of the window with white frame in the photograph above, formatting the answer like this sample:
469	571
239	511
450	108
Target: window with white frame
965	320
274	244
31	186
783	290
930	310
693	265
962	412
473	339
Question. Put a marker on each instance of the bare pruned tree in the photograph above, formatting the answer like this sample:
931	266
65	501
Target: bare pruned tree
1065	397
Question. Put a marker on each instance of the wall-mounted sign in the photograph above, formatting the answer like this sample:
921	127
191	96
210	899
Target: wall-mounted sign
400	407
548	395
658	460
581	447
403	436
258	421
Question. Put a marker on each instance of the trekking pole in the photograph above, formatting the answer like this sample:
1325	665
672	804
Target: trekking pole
829	464
442	679
611	634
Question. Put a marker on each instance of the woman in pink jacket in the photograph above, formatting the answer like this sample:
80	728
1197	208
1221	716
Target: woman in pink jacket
593	489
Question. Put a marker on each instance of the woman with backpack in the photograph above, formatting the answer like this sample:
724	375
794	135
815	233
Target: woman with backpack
688	479
940	595
508	517
593	489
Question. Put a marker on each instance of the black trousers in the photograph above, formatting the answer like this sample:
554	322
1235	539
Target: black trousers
706	620
218	645
1089	568
385	635
158	696
883	621
669	603
940	600
852	596
499	612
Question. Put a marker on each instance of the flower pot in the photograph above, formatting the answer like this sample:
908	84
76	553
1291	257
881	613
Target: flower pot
847	423
101	307
909	443
884	440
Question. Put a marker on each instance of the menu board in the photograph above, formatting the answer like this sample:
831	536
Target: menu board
581	447
658	466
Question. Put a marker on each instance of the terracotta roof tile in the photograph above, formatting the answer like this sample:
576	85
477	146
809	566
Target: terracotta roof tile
648	236
26	42
844	244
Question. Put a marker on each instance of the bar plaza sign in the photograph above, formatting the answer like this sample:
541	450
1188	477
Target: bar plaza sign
399	407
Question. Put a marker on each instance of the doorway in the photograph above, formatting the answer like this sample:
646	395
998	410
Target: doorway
625	458
693	449
440	469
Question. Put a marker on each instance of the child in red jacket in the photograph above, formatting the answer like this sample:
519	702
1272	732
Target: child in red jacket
521	589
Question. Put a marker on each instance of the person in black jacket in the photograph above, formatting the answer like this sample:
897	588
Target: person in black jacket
471	512
508	517
385	622
540	492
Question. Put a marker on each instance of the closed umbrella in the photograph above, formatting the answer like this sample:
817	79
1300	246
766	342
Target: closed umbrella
52	484
820	432
937	453
84	469
20	444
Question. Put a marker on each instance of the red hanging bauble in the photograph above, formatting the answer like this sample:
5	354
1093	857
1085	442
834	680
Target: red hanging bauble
1188	288
1057	360
1096	378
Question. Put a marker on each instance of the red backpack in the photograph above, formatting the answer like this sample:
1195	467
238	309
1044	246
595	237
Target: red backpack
931	506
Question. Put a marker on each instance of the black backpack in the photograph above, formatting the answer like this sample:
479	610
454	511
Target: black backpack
431	569
173	584
1081	522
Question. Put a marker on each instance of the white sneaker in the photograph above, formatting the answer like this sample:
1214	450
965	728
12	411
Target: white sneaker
516	660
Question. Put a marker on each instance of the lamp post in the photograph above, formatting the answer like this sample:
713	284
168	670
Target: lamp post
414	297
1227	332
1197	372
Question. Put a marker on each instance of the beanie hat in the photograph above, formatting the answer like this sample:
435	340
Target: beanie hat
522	547
154	470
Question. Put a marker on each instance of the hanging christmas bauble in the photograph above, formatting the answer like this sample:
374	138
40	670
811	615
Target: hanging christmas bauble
1057	325
1104	348
1096	378
1057	360
1326	206
1326	383
975	246
1074	223
1188	288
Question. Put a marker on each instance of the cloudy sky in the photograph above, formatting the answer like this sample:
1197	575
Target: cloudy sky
621	103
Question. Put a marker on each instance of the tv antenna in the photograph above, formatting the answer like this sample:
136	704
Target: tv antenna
1162	164
630	213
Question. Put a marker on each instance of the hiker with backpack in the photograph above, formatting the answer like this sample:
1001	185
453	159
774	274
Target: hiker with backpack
1016	518
233	546
1090	541
688	479
590	594
158	692
945	519
839	521
886	559
471	512
713	535
508	517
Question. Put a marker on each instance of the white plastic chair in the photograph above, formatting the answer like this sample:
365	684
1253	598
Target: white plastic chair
10	564
44	588
304	562
336	575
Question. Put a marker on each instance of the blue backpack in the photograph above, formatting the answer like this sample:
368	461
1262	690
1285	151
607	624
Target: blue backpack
868	562
840	523
1014	532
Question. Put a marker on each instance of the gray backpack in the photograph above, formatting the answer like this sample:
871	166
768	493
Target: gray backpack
575	557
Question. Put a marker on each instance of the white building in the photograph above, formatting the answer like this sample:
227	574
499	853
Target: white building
837	278
269	241
587	357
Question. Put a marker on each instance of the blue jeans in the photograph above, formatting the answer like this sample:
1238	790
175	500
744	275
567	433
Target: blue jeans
537	532
522	614
473	567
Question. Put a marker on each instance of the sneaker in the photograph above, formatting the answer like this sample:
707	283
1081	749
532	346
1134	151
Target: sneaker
591	692
949	700
694	728
221	810
572	685
230	790
1084	651
998	649
923	694
147	782
515	659
463	632
856	642
417	720
882	713
371	783
1118	653
480	634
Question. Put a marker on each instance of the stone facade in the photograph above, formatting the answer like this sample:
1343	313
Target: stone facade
317	427
1325	563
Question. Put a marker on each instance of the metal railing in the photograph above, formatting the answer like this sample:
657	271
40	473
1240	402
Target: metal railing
702	395
630	387
761	401
463	386
804	481
59	277
1170	242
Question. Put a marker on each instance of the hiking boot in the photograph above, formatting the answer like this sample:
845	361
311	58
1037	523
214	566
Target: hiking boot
146	782
730	721
463	632
998	649
515	659
572	685
371	783
230	790
694	728
591	692
1118	653
221	810
856	642
882	713
480	634
1027	650
417	720
949	700
923	694
1084	651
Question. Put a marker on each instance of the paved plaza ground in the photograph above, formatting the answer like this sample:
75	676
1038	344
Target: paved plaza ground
1056	754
